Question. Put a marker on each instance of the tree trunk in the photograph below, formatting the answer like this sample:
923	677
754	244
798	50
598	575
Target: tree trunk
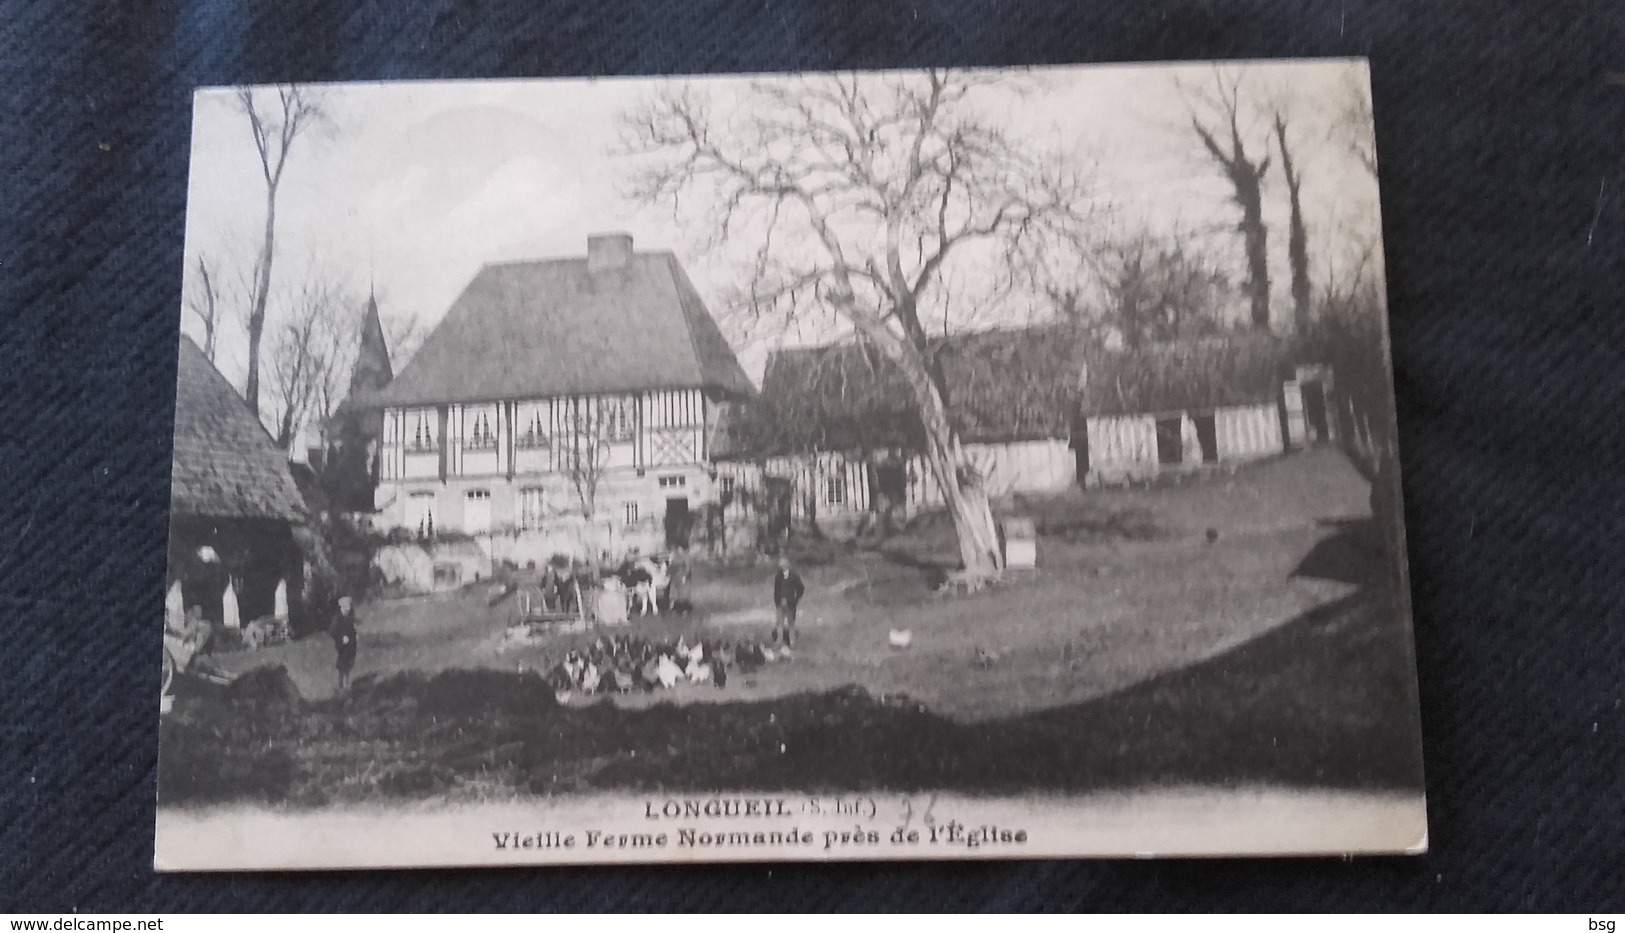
1297	234
962	491
1298	252
1256	237
967	502
211	313
284	433
262	290
969	508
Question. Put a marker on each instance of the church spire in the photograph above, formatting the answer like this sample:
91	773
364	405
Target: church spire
372	367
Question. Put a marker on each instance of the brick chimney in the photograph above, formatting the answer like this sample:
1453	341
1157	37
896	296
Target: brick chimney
608	251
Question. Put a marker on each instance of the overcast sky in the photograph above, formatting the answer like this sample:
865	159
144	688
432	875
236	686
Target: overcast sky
412	187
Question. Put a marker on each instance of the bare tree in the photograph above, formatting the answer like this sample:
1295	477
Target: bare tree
1222	136
1297	244
1352	124
205	303
403	336
590	425
275	126
857	193
1157	289
310	358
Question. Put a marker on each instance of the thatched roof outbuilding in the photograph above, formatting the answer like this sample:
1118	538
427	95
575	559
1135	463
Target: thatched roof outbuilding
1003	386
225	465
1195	375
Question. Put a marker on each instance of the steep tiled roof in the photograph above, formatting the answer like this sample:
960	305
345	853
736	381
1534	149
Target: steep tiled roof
224	464
554	327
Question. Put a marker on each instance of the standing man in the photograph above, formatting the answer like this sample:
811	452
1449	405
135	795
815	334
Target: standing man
787	591
344	640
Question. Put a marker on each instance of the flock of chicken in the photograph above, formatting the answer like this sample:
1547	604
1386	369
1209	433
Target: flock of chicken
627	664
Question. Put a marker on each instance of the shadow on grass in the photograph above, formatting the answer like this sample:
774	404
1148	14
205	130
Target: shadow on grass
928	543
1353	554
1326	700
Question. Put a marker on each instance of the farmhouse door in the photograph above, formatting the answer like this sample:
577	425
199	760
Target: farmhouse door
677	523
1170	440
1207	436
477	511
1080	449
1314	412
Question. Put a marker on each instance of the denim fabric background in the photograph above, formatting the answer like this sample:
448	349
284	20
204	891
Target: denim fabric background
1502	144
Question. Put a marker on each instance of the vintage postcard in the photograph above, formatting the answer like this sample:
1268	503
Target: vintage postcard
867	466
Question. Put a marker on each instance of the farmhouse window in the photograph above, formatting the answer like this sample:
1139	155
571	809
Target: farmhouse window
673	482
480	436
420	513
619	421
533	433
423	434
631	513
835	490
531	503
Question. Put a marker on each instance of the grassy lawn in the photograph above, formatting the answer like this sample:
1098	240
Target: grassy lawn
1141	652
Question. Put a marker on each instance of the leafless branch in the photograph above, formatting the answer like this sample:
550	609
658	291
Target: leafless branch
274	126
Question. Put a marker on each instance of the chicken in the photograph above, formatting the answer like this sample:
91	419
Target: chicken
749	657
651	673
668	672
560	679
590	677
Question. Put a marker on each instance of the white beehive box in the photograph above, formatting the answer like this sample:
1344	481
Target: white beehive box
1020	544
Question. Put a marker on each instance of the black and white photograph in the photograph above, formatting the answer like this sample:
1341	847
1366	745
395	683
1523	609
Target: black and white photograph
888	465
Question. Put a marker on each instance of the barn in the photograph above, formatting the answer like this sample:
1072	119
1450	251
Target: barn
236	516
1195	404
1037	409
835	421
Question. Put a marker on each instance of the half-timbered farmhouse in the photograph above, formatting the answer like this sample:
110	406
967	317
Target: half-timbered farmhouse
1036	411
561	406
